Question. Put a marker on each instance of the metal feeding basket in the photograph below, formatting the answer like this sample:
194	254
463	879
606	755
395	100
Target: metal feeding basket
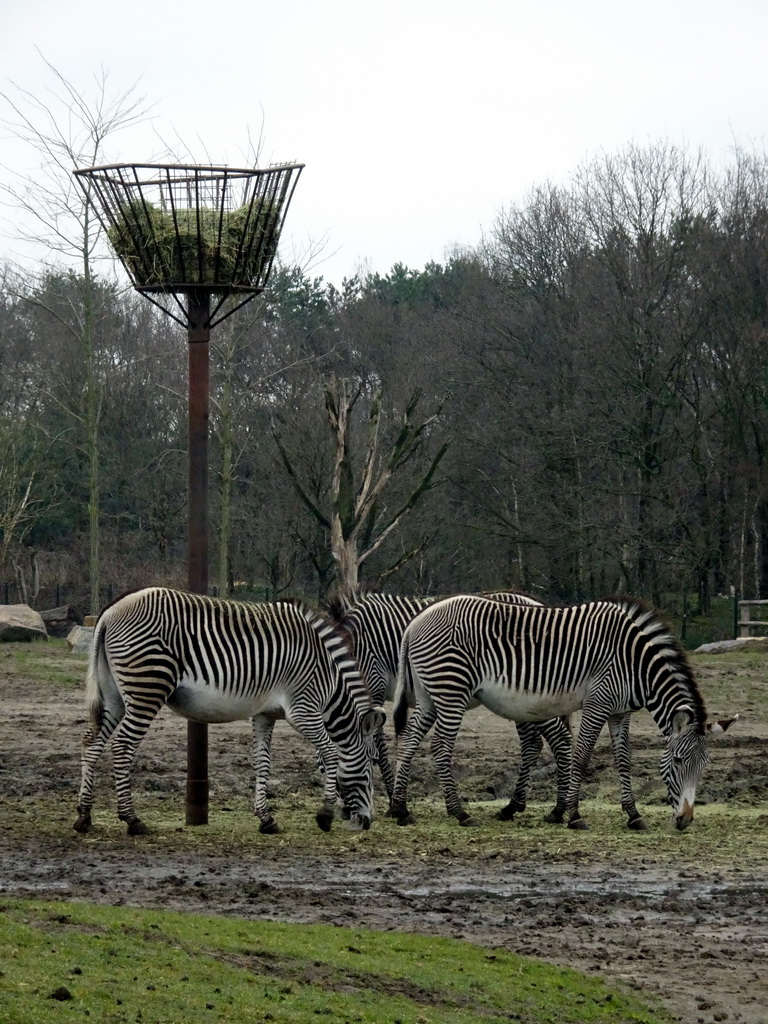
183	229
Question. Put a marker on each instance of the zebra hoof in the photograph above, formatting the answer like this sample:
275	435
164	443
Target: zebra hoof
269	827
83	823
637	824
467	822
579	825
324	820
406	819
508	812
137	828
554	818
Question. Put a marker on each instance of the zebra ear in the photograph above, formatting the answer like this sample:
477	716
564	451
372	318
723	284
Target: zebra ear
373	721
718	727
682	720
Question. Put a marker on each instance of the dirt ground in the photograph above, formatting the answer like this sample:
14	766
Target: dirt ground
696	937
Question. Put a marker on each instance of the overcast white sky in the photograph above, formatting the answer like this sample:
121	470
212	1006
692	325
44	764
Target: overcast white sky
417	119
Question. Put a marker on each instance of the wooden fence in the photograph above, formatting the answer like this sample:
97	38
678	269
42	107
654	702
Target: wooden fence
753	618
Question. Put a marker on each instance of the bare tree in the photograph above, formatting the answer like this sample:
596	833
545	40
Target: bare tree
358	521
19	502
63	129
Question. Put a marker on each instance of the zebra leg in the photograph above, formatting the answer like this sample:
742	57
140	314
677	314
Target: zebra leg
419	724
589	730
385	765
262	728
139	716
530	748
309	724
618	727
93	747
325	815
443	743
557	733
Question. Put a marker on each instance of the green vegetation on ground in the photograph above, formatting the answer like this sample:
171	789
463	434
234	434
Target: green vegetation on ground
720	835
68	961
50	662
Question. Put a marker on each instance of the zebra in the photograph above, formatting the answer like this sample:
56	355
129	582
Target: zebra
527	663
375	624
220	661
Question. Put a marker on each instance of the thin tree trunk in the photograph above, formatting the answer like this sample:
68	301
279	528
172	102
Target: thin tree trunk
91	427
743	550
227	477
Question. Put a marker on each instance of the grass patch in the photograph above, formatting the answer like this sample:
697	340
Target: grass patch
733	683
66	961
721	836
47	662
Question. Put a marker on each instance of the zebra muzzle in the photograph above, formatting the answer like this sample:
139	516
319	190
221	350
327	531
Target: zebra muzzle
684	819
359	822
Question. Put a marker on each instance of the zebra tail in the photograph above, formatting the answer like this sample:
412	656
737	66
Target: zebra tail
404	687
97	674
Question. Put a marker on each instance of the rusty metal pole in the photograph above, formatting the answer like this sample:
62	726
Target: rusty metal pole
199	335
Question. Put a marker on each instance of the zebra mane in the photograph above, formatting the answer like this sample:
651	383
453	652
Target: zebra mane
318	618
509	597
338	642
658	634
345	597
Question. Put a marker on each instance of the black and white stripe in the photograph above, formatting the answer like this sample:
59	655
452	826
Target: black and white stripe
375	624
220	661
607	658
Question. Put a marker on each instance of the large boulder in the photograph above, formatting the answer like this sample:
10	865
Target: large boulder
20	622
741	643
59	621
80	639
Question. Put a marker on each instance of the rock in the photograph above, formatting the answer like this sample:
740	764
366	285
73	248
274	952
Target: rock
79	639
20	622
59	621
749	644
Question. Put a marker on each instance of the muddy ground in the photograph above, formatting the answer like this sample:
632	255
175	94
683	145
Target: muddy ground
693	933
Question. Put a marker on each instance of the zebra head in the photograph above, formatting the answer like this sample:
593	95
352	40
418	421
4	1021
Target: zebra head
355	774
685	757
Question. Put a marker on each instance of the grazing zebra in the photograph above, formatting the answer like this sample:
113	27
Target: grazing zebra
607	658
375	624
222	661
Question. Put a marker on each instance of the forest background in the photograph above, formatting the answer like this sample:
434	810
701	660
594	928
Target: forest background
576	406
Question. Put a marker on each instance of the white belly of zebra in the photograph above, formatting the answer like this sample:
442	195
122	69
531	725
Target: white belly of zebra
523	705
205	703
